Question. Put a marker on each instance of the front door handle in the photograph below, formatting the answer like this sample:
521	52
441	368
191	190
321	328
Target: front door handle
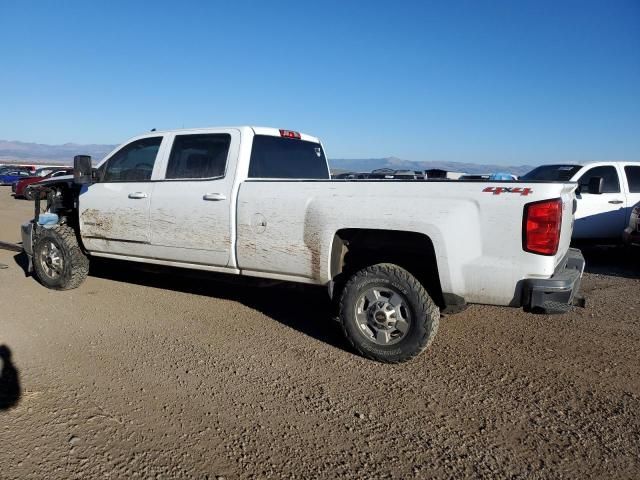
616	202
214	197
137	195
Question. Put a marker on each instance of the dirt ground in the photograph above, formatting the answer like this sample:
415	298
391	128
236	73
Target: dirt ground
157	375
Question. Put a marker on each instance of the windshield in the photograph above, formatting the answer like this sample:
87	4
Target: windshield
41	172
552	173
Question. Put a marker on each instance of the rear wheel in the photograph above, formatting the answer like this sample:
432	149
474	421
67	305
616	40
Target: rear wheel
58	261
387	315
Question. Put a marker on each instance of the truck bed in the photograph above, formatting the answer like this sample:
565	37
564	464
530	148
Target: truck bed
289	229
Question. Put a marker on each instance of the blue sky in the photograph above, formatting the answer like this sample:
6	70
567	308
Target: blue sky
510	82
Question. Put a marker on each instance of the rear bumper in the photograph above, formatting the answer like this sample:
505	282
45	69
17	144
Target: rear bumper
555	294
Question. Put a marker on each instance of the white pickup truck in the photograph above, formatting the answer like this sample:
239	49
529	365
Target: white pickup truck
260	202
607	193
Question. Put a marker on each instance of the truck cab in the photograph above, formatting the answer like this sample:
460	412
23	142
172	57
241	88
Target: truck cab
173	195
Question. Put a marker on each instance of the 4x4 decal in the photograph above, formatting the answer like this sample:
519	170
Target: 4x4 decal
498	190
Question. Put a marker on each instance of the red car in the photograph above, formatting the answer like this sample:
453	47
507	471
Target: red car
22	188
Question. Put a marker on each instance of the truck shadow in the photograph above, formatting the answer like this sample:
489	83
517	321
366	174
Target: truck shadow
10	390
22	261
304	308
615	261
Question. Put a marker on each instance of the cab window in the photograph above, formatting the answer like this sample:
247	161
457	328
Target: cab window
610	175
133	162
198	156
633	178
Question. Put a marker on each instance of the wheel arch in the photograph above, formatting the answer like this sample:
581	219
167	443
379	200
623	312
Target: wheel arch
355	248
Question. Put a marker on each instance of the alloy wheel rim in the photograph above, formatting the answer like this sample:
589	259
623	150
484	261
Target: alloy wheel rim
51	260
382	315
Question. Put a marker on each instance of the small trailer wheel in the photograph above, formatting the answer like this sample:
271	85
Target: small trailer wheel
58	260
387	315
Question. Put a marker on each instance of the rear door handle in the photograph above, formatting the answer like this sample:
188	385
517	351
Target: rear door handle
214	197
137	195
616	202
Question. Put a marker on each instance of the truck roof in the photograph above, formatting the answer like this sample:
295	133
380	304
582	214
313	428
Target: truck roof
257	130
589	164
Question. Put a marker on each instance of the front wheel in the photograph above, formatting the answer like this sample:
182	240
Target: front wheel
387	315
28	193
58	260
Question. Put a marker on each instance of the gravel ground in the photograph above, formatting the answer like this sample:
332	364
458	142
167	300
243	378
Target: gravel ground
158	375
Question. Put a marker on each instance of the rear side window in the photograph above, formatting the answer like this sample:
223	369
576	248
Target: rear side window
277	157
133	162
633	178
199	156
610	175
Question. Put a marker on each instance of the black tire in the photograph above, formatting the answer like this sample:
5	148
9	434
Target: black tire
28	193
418	306
59	242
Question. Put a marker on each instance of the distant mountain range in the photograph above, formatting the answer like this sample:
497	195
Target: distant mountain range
12	151
41	153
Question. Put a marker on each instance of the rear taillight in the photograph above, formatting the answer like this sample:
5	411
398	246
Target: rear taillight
541	226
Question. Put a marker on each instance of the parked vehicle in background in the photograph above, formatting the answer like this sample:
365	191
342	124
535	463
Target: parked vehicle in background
350	176
26	168
15	166
438	173
12	168
380	174
260	202
475	176
39	174
502	176
391	174
29	167
7	177
405	175
24	187
631	234
606	196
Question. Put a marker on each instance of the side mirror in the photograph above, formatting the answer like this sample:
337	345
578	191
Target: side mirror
595	185
82	170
